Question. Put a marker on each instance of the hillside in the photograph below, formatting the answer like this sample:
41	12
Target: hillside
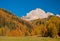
11	25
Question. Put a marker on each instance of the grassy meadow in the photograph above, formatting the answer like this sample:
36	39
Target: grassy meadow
29	38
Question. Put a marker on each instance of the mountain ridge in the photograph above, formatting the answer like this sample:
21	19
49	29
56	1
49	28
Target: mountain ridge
11	25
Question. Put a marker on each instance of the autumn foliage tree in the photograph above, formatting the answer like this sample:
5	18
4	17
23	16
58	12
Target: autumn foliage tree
11	25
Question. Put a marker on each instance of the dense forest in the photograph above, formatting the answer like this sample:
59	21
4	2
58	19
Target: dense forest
11	25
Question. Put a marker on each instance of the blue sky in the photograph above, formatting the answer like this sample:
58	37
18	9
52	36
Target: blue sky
21	7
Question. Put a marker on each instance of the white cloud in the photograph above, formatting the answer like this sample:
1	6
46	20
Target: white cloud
37	13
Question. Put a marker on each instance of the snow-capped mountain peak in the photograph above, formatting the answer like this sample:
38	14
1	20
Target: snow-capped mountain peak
58	15
36	14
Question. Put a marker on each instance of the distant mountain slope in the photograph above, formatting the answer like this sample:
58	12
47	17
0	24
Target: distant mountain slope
11	25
